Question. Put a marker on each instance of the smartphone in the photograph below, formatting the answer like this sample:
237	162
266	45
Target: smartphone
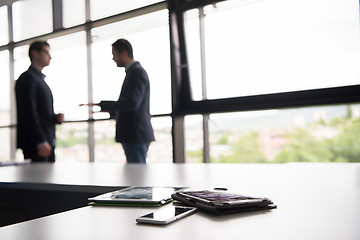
166	215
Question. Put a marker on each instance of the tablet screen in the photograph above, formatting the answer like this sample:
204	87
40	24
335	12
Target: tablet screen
146	193
137	194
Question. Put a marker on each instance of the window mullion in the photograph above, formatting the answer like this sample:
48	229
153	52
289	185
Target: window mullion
206	144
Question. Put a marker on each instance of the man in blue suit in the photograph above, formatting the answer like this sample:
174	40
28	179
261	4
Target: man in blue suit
131	111
35	113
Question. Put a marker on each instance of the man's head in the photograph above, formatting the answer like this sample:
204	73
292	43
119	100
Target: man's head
39	53
122	52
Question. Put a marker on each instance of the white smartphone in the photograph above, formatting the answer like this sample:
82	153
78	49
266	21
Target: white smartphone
166	215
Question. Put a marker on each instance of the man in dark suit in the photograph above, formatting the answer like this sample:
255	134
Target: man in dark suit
35	113
133	126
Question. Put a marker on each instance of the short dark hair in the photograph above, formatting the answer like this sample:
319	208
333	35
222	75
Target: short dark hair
123	45
37	46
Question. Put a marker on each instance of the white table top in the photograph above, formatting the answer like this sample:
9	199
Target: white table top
315	201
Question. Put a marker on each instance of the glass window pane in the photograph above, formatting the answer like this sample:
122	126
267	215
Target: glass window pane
153	54
73	12
4	31
32	18
21	60
4	106
194	139
4	89
193	49
67	75
107	150
5	143
105	8
281	45
161	150
314	134
72	142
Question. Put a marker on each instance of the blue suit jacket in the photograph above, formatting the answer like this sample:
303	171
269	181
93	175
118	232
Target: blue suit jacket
35	113
131	110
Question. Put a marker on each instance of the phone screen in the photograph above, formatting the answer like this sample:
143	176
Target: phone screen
166	215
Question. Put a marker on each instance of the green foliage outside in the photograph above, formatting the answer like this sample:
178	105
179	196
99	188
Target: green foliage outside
105	140
72	137
301	146
247	149
304	148
195	156
345	147
223	140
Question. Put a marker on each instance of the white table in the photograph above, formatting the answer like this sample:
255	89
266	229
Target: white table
315	201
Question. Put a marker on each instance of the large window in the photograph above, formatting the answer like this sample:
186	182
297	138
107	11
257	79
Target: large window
257	55
260	47
252	67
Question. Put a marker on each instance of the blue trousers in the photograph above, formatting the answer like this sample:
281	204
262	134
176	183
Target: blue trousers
136	152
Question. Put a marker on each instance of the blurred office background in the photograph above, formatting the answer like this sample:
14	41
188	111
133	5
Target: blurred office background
247	81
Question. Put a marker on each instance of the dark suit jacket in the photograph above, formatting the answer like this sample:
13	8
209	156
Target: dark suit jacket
35	113
131	110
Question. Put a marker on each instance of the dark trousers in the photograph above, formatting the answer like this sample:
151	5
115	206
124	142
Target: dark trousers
33	155
136	152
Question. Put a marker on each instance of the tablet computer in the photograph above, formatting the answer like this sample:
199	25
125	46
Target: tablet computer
136	196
